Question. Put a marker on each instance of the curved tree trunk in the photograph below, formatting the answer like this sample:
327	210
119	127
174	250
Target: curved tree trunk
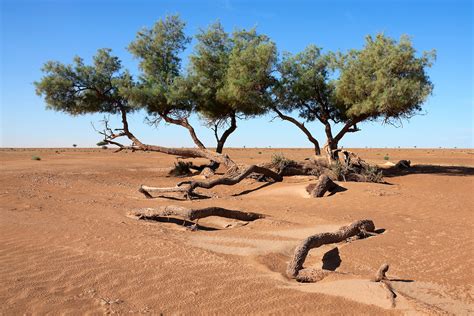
317	149
188	187
315	241
221	140
184	123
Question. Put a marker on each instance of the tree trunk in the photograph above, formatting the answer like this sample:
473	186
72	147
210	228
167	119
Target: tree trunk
188	187
221	140
324	184
317	149
315	241
192	214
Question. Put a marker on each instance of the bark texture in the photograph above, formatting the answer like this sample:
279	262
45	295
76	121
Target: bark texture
382	278
188	187
324	185
192	214
315	241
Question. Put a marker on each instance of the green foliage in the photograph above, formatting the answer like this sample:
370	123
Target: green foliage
386	157
102	143
384	79
181	168
35	158
305	84
158	50
249	76
231	74
79	89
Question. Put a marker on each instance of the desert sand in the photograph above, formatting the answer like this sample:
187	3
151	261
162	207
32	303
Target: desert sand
67	245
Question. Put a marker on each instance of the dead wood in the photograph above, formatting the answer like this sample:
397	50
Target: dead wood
188	187
192	214
315	241
403	164
311	275
380	276
324	185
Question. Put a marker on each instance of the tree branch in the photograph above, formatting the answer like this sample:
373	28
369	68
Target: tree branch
301	127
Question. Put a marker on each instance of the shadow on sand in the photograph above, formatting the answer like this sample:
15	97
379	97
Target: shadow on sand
430	169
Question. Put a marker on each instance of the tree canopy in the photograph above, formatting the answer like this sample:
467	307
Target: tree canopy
79	89
383	80
238	74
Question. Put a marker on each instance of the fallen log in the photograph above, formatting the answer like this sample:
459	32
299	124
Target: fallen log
188	187
360	227
324	185
192	214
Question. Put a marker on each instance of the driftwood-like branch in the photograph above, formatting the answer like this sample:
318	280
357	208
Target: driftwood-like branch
315	241
188	187
324	185
382	278
380	275
192	214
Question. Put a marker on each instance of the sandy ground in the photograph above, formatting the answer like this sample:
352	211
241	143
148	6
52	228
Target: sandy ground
66	245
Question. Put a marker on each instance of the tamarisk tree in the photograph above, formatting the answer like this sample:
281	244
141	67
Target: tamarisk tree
229	77
105	87
384	80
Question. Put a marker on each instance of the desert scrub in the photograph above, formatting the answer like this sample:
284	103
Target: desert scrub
102	143
35	158
280	162
386	157
342	172
339	171
372	174
181	169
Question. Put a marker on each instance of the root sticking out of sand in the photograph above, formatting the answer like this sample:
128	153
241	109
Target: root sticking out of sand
295	267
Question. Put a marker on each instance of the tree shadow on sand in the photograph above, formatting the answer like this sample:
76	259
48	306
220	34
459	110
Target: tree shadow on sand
430	169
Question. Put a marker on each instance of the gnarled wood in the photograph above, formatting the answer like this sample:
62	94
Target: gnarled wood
380	275
188	187
324	185
382	278
315	241
192	214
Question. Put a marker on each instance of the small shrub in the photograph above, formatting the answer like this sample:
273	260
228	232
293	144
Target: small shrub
386	157
181	169
373	174
74	145
259	152
339	171
101	143
104	147
35	158
280	162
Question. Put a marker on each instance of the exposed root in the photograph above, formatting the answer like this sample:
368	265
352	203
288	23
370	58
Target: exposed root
324	185
188	187
310	275
315	241
382	278
192	214
380	275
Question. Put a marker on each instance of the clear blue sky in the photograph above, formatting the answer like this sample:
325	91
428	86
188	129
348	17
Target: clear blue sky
33	32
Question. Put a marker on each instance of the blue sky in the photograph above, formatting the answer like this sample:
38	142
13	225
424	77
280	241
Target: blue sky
33	32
